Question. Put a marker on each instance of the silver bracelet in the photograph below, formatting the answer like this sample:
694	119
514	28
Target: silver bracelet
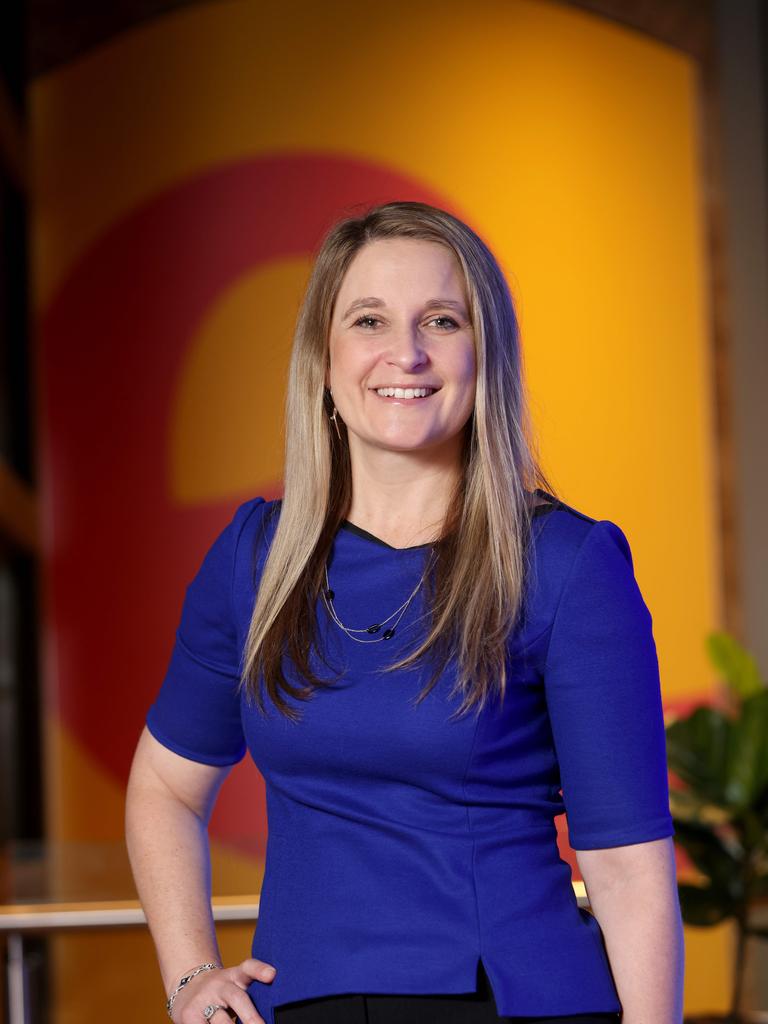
186	980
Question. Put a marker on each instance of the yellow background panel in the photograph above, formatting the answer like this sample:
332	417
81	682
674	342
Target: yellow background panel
229	400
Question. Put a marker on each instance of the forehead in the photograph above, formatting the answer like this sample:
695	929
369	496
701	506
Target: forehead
403	266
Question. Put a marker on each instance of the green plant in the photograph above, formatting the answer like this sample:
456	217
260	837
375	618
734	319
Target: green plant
721	811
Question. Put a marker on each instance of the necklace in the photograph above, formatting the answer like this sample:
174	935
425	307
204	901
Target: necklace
397	614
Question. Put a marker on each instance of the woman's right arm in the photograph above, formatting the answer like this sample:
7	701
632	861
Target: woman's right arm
168	804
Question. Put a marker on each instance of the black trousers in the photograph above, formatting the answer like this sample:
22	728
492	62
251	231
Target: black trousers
467	1008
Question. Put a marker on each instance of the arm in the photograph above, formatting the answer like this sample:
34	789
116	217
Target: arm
168	805
604	699
632	891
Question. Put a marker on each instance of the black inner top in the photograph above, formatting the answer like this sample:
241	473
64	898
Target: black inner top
550	504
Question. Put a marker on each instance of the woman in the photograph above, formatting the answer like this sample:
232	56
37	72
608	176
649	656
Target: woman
420	648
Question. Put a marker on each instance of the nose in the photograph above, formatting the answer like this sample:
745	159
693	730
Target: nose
407	350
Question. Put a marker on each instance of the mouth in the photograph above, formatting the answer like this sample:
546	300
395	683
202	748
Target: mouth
404	394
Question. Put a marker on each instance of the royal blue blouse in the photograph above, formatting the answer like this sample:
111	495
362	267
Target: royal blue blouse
403	847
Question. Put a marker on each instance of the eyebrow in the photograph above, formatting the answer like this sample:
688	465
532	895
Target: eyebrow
373	301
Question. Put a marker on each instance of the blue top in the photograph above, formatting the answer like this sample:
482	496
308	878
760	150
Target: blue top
402	847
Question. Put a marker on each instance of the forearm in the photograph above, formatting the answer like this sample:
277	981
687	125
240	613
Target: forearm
643	933
169	854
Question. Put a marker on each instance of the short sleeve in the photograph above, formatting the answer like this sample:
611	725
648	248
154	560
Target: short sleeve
603	693
197	711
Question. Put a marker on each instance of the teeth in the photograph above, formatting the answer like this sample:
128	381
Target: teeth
404	392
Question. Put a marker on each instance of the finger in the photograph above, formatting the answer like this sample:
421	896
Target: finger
250	970
220	1013
223	1014
195	1012
243	1007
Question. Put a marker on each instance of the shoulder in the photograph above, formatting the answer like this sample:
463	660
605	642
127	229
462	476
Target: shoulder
251	526
251	529
252	514
576	551
560	530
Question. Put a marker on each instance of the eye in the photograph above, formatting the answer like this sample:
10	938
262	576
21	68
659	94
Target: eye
449	319
360	321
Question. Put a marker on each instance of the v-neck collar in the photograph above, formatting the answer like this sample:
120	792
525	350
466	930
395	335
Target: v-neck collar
551	504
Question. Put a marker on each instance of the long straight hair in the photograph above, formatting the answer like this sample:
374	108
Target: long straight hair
476	590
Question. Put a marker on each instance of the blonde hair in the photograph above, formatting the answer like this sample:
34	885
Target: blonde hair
482	563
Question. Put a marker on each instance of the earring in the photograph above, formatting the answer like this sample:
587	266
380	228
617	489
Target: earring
335	423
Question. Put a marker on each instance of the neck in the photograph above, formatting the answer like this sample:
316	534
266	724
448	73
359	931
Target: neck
402	497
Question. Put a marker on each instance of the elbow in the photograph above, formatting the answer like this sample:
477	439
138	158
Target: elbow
648	867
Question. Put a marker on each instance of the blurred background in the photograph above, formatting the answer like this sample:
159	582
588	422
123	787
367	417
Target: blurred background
166	171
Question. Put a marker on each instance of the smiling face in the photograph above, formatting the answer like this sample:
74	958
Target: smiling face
401	320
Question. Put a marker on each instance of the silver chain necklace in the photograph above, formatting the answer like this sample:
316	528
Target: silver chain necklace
328	596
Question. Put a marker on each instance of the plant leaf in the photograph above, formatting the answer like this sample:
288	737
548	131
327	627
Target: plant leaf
701	907
734	663
689	806
713	860
746	773
697	750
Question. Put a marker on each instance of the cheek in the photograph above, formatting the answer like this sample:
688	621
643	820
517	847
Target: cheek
338	358
467	369
351	363
349	367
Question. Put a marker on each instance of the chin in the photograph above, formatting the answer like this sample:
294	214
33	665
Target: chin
410	444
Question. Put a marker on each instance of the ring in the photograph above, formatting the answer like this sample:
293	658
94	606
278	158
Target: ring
209	1011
